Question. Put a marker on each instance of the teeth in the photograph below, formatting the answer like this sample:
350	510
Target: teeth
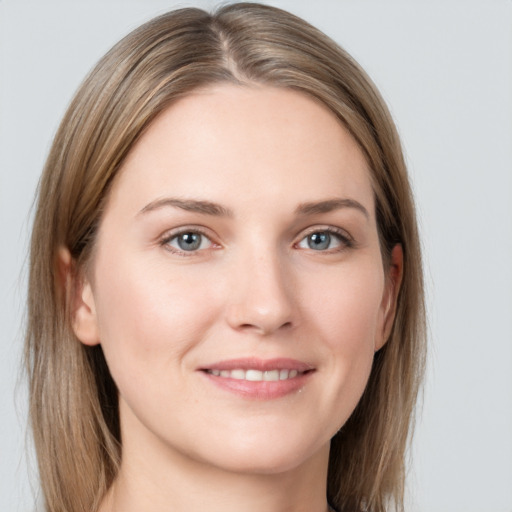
271	375
237	374
256	375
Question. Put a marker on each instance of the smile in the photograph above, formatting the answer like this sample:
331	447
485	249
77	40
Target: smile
256	375
259	379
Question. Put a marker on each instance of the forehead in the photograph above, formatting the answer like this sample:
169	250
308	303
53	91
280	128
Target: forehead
264	143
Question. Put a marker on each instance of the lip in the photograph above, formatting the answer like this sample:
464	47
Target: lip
259	390
253	363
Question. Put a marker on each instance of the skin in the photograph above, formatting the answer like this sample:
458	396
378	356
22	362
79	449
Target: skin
254	288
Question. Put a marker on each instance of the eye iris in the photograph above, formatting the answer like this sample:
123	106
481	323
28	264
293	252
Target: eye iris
189	241
319	241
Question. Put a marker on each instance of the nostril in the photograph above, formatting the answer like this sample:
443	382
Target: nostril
260	314
265	329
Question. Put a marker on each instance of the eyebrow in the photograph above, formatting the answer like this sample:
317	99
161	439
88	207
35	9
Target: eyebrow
190	205
215	209
330	205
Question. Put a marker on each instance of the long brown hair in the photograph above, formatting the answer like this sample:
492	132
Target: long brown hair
73	400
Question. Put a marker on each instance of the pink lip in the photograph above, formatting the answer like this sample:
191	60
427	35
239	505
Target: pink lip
252	363
259	390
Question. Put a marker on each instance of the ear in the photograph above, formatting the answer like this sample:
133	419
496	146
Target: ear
79	296
390	296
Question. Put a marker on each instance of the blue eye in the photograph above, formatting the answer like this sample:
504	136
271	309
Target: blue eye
319	241
324	240
188	241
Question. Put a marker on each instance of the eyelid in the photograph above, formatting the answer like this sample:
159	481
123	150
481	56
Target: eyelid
344	236
166	237
324	228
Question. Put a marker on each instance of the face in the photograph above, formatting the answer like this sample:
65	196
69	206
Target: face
237	285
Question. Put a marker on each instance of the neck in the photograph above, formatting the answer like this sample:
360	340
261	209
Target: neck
193	488
161	478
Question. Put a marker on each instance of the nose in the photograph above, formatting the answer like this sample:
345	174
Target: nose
261	299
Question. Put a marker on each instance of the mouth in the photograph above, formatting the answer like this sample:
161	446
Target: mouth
259	379
257	375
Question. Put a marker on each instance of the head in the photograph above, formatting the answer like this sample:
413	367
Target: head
74	401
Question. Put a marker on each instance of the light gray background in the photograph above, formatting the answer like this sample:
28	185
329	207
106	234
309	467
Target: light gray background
445	69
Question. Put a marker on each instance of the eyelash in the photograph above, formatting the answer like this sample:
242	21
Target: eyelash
169	237
345	240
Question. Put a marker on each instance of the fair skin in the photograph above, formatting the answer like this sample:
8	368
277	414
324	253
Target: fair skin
239	237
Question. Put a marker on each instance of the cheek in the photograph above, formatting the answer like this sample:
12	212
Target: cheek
149	317
345	313
345	306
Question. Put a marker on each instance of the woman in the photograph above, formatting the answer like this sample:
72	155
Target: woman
225	299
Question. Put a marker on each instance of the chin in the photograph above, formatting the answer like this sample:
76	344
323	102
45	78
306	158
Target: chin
269	456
